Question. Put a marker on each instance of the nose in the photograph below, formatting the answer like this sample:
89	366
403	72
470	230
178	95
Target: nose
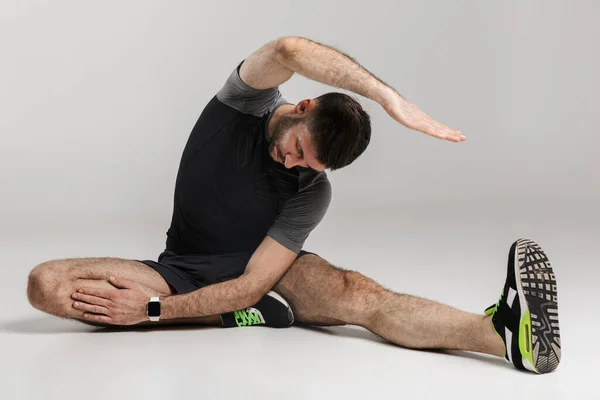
288	162
291	161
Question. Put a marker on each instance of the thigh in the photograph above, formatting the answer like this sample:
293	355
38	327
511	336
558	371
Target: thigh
101	268
52	283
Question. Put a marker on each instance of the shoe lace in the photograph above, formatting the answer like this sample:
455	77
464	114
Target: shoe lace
491	310
249	316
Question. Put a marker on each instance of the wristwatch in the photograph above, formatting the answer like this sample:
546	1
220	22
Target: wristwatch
153	309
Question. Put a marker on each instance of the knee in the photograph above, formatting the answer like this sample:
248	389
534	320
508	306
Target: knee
42	282
356	283
360	295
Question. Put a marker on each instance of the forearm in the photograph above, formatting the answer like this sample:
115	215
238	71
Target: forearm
326	65
228	296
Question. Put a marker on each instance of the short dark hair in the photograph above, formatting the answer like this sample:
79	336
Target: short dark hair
341	130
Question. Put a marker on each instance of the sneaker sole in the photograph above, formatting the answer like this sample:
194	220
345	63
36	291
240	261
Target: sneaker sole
539	334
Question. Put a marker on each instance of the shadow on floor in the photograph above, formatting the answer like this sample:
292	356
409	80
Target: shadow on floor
53	325
359	333
344	331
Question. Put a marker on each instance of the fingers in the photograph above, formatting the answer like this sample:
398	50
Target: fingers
121	283
453	136
441	131
424	123
90	308
94	302
91	299
104	293
412	117
98	318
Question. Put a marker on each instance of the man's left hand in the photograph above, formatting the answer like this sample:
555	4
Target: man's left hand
413	118
124	305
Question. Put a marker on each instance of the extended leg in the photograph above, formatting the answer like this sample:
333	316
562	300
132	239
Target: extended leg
322	294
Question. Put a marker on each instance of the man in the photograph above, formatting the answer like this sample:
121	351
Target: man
250	188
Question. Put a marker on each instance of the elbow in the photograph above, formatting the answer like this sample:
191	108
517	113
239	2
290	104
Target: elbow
256	291
254	296
286	47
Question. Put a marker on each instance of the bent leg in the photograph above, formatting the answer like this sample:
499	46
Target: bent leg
51	283
322	294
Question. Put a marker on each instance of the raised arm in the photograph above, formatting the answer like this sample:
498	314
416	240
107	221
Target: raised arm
276	62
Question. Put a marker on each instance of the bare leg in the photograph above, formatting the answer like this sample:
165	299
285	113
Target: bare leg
322	294
51	284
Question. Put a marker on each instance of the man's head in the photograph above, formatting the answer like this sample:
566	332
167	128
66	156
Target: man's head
330	131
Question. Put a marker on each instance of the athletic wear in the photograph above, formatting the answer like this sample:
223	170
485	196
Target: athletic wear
186	273
230	193
272	311
526	316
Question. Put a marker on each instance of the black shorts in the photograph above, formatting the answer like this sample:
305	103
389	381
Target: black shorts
187	273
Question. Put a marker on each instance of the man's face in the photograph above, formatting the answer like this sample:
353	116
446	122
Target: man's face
292	145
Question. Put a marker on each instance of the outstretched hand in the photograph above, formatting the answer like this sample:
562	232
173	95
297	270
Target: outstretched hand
412	117
124	305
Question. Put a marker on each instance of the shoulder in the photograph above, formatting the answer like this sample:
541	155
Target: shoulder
310	178
304	210
237	94
315	188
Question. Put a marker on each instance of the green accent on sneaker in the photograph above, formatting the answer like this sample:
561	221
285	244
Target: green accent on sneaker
247	317
525	344
492	309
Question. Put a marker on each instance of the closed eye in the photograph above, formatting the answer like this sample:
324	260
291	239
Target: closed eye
299	149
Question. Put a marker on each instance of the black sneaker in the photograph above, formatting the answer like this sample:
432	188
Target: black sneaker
526	316
272	311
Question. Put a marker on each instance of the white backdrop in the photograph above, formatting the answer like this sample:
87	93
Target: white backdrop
98	98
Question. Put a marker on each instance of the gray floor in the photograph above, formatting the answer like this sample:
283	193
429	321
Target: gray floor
456	256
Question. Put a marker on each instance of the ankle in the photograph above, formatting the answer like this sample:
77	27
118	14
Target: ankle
494	343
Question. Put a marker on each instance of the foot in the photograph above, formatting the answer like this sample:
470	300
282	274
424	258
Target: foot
272	311
526	316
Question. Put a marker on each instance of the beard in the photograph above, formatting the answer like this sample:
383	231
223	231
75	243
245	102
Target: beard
281	130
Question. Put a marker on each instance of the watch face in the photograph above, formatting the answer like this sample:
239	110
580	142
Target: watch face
154	309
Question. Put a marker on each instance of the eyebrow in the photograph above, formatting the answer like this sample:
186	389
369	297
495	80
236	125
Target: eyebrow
302	154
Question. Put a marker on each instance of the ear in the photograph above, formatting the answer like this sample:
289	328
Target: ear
304	106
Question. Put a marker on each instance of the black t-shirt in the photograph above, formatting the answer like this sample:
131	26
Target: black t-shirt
229	192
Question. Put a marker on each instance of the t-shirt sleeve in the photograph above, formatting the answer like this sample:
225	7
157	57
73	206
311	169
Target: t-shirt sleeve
302	212
237	94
